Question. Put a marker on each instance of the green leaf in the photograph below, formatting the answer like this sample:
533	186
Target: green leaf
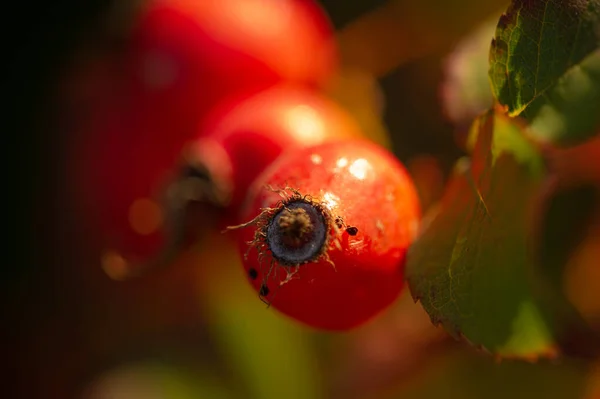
544	66
469	267
569	112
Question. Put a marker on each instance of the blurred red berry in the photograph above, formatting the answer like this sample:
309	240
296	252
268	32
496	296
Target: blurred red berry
123	177
243	138
188	55
329	229
183	58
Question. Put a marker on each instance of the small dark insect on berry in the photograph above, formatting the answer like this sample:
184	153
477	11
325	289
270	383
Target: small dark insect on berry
351	230
253	274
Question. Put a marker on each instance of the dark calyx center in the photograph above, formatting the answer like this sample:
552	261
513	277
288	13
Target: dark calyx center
297	233
295	227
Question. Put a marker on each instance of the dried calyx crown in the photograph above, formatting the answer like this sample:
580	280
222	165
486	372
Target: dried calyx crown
297	230
297	233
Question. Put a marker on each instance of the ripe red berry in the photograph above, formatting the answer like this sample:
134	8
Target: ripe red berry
242	139
328	233
187	55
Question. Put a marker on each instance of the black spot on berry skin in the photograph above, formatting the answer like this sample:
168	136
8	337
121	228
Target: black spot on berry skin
339	222
264	290
253	274
351	230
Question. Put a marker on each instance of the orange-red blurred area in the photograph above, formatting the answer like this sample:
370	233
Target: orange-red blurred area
196	329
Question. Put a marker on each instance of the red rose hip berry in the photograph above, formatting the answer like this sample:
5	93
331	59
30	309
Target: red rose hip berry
329	229
240	139
187	55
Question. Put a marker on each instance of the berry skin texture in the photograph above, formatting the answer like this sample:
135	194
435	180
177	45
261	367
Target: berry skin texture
240	139
327	232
